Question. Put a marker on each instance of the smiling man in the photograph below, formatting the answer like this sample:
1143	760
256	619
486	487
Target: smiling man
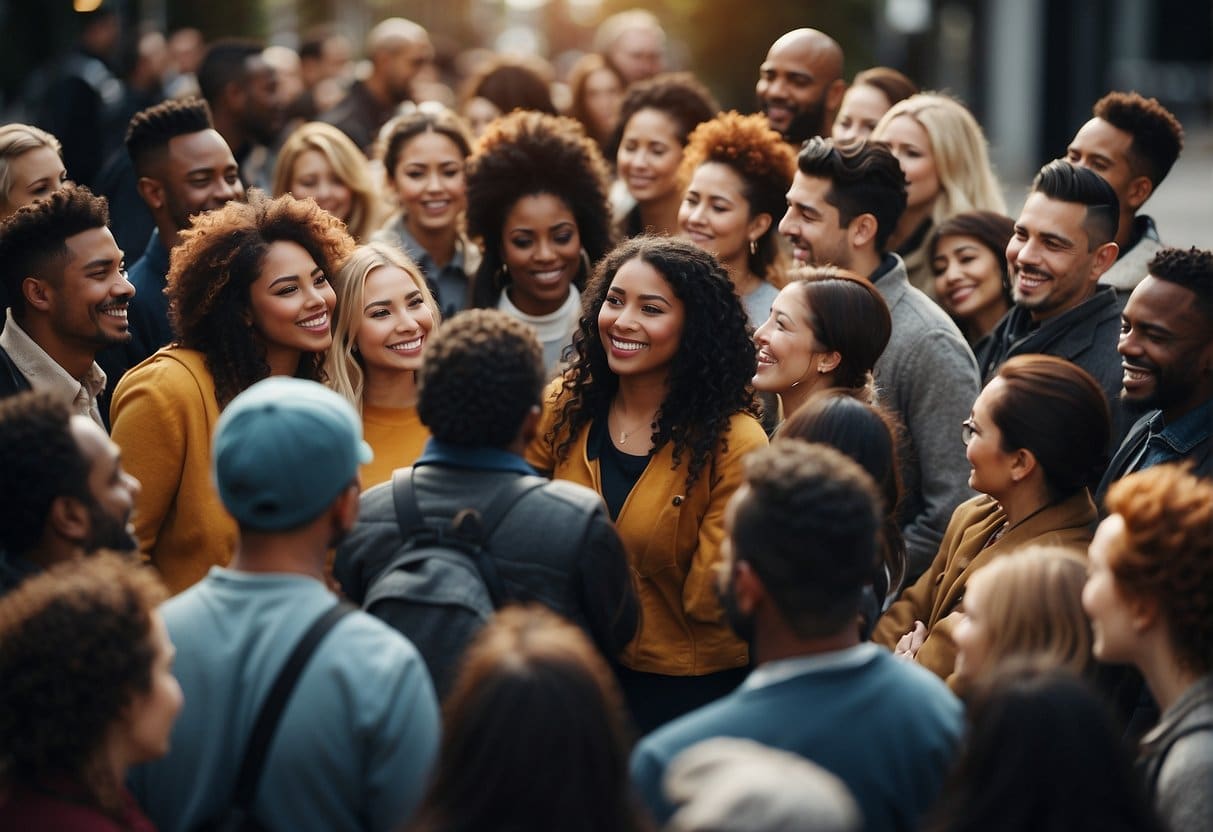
1166	350
800	85
64	273
1063	242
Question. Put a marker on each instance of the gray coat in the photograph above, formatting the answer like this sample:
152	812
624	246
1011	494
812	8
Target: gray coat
1176	759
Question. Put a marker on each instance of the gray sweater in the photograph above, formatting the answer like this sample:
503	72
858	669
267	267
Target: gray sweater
1176	759
927	376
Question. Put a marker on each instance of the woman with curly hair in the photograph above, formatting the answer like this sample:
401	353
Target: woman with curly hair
827	328
249	297
88	692
385	314
425	156
739	171
319	161
655	121
656	415
944	157
537	202
1150	599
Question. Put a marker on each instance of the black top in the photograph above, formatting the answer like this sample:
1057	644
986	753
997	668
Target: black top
620	471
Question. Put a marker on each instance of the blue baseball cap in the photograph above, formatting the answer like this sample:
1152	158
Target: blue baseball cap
283	450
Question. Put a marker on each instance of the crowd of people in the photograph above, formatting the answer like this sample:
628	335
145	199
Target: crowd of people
548	452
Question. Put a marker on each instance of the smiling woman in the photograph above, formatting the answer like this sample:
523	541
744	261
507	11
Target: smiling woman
31	166
249	297
319	161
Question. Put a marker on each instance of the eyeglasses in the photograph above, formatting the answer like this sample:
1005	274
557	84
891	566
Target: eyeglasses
967	430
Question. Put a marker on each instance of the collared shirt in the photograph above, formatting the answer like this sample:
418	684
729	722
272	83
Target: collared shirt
478	458
448	283
1173	442
46	375
772	673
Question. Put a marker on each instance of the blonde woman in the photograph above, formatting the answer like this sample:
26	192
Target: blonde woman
943	154
1029	603
385	315
31	166
319	161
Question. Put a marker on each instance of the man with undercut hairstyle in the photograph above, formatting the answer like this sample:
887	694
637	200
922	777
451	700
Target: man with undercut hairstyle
398	49
801	532
1166	349
842	207
1132	142
800	84
1064	241
184	168
64	276
63	493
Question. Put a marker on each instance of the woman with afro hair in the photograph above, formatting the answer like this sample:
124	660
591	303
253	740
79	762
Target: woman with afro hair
249	297
655	413
537	202
738	172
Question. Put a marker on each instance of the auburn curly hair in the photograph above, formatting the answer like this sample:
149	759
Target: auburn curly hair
1168	515
760	157
529	153
709	376
219	258
75	649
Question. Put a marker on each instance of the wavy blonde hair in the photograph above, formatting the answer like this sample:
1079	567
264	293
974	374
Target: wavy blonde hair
343	367
348	164
959	148
16	140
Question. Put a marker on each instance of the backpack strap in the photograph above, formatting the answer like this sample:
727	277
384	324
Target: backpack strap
275	703
472	527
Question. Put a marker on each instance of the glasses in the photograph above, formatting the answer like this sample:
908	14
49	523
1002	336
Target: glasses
967	430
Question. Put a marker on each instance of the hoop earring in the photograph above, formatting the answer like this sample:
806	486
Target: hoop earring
753	246
501	277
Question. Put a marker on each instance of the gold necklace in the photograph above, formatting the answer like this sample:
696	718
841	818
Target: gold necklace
624	434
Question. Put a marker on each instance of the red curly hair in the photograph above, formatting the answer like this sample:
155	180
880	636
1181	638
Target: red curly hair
1168	515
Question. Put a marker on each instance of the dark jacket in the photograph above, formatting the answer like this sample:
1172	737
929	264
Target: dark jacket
1151	441
12	381
359	115
556	546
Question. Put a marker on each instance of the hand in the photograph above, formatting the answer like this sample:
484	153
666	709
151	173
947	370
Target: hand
909	644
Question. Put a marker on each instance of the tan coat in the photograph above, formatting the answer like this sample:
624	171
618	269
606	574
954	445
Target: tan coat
935	597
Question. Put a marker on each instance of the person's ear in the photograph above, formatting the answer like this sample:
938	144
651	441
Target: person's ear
345	508
37	293
862	231
1144	612
152	192
1022	465
1105	257
529	428
829	362
1140	189
748	588
837	89
758	226
69	518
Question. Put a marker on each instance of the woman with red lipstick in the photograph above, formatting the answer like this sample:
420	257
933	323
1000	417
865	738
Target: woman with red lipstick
537	201
249	297
968	256
739	171
385	314
656	415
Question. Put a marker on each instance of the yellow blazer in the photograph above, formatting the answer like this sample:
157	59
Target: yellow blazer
163	415
935	596
672	538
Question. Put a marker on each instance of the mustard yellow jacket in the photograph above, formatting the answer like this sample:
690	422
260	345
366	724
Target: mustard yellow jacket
673	539
935	597
163	415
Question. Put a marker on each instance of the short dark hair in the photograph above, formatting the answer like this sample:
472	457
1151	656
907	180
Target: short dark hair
34	238
39	462
1056	410
1158	137
1063	181
510	84
991	229
225	62
808	525
848	314
483	372
150	130
895	85
868	180
1191	269
678	95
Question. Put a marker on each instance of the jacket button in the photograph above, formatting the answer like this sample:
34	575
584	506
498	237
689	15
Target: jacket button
677	501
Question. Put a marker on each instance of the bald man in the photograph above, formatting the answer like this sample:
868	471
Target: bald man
398	50
800	84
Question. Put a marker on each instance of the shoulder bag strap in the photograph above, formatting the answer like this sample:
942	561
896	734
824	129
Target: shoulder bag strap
275	703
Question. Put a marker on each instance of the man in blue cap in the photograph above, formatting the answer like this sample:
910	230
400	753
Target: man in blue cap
359	733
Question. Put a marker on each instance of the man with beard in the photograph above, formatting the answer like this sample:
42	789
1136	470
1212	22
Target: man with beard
63	493
1166	347
246	104
800	540
64	276
800	84
398	49
1064	240
184	167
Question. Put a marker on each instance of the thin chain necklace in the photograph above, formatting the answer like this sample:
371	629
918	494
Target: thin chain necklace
624	434
1006	527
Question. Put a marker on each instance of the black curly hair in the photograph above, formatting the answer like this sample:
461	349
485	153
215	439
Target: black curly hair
711	371
678	95
211	271
524	154
75	649
483	373
1192	269
150	130
39	462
